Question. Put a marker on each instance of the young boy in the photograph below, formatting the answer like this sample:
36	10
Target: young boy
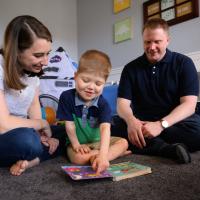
87	115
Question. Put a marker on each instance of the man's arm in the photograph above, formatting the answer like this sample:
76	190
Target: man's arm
134	126
185	109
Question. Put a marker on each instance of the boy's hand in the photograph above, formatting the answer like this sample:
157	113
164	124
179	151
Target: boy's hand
83	148
99	163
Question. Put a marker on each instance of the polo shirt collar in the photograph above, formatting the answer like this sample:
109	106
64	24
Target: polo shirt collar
166	59
80	102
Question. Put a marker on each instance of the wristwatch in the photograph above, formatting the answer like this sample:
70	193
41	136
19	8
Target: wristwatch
164	123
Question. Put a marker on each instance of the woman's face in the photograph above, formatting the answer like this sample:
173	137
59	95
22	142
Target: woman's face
34	58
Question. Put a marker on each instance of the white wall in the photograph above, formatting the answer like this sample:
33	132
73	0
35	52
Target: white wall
116	72
95	30
60	16
95	20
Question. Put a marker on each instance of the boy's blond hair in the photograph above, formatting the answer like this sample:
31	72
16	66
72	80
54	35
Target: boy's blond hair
94	61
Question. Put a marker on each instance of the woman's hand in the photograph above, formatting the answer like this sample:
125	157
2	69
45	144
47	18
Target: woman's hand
52	143
45	128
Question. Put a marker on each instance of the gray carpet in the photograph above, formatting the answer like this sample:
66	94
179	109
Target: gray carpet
47	181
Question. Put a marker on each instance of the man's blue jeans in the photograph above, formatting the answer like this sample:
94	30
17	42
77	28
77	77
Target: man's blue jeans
25	144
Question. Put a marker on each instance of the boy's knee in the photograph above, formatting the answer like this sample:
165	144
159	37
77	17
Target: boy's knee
123	142
78	159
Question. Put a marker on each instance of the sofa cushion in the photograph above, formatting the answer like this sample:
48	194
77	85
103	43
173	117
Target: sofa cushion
110	94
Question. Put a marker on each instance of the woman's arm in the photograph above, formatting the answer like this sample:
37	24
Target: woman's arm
34	111
9	122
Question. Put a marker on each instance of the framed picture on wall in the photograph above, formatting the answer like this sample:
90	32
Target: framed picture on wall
119	5
123	30
173	11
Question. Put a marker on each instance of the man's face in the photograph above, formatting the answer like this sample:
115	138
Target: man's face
155	44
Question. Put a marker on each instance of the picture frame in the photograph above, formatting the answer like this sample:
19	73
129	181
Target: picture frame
167	4
180	1
168	14
184	9
173	11
123	30
120	5
153	8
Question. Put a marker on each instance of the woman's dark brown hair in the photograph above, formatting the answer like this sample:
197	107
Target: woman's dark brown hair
19	36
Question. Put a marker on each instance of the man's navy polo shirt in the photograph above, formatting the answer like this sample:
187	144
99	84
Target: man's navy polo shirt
155	89
72	108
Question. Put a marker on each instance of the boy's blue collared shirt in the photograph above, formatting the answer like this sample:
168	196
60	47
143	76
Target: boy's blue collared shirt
79	102
86	119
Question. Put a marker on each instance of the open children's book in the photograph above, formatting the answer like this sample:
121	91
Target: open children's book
117	171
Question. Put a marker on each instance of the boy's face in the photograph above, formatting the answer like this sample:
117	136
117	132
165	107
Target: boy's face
89	85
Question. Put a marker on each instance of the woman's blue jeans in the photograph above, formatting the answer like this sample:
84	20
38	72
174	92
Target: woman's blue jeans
25	144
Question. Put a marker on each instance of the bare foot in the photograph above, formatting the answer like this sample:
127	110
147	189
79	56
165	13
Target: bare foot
19	167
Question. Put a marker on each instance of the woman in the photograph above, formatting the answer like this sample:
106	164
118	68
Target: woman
25	138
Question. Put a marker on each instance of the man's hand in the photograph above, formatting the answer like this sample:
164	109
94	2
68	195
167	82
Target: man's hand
99	163
152	129
135	134
83	148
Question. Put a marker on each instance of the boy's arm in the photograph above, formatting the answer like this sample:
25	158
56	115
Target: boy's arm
105	139
101	162
71	132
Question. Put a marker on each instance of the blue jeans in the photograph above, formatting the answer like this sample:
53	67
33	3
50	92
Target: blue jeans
25	144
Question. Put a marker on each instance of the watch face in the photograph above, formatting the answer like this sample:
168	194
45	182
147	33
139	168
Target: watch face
164	124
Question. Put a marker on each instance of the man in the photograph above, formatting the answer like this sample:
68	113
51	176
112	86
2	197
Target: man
157	97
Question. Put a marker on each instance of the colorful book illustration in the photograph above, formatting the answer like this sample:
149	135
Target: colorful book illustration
126	170
117	172
84	172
